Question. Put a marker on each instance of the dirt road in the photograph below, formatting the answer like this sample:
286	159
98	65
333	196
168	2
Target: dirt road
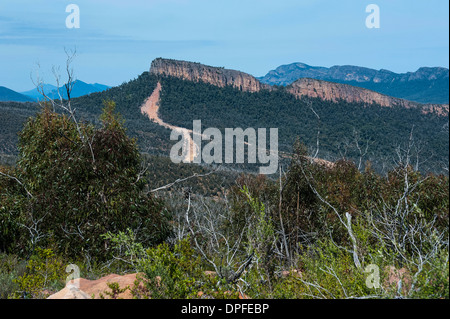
150	108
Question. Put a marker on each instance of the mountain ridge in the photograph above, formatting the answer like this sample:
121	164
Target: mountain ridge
8	95
194	71
80	88
333	91
183	101
426	85
35	94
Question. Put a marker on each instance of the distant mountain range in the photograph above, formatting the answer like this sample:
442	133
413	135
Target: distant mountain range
10	95
426	85
80	88
34	93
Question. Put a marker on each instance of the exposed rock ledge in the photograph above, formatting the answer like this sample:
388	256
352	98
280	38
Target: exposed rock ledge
336	91
221	77
213	75
87	289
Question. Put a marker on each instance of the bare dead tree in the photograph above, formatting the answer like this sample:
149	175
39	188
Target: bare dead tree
309	103
282	230
344	147
180	180
413	240
344	218
203	223
63	101
410	154
354	144
361	151
34	229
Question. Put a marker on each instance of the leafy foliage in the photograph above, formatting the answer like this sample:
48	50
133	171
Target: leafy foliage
44	270
79	182
171	273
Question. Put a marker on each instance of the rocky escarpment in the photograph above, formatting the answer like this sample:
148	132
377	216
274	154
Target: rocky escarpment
426	85
213	75
336	91
326	90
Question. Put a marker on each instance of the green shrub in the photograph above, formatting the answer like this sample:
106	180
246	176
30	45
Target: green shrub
7	285
126	251
178	273
115	290
78	182
11	267
433	281
171	273
326	271
45	273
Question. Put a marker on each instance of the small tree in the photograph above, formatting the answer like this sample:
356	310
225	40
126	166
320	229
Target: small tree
82	185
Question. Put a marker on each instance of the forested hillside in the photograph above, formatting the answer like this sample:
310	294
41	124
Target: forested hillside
12	118
345	129
343	126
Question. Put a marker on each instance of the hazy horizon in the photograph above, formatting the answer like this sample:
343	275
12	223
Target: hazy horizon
117	41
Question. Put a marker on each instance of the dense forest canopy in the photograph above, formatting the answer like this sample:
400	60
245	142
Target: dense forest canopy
341	125
345	129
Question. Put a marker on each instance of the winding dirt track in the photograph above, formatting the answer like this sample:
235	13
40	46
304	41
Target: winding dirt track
150	108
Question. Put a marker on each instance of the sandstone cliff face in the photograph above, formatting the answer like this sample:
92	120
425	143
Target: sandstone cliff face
426	85
336	91
331	91
213	75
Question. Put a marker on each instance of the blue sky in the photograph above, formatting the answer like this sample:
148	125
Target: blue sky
117	40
